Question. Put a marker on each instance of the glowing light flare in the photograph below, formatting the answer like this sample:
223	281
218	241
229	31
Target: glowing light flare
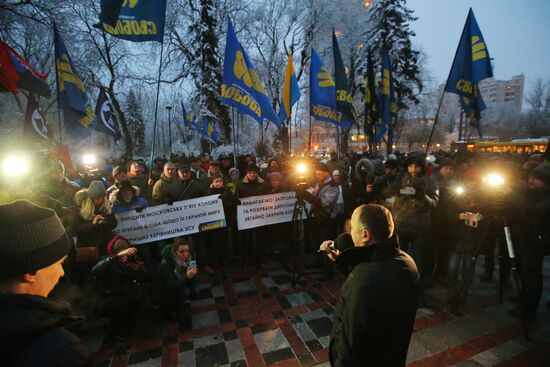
494	180
89	159
15	166
301	168
459	190
367	4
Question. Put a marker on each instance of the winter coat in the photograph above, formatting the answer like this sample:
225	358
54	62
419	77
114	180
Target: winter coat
53	194
229	200
121	207
87	233
375	314
206	181
185	190
32	333
163	189
323	199
167	268
360	180
532	209
112	276
141	182
248	188
413	213
445	217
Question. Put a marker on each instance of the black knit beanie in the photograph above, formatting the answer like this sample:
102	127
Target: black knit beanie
31	238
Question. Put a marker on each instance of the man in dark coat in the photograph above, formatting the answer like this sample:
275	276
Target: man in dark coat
534	206
34	246
374	316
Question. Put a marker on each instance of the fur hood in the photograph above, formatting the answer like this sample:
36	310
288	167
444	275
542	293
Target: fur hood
370	172
113	194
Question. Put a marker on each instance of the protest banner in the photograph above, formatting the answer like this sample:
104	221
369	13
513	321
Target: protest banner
258	211
167	221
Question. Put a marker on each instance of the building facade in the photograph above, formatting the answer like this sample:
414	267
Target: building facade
501	93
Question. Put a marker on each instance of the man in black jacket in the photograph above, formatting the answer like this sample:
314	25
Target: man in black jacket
374	317
34	246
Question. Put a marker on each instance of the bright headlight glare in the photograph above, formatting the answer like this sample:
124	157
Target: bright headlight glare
15	166
89	159
301	168
494	179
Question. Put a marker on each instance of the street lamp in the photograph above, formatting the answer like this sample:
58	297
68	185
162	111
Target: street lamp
169	109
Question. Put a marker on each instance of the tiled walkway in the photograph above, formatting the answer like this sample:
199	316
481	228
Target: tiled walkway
255	318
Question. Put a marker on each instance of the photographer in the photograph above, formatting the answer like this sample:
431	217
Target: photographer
120	276
416	196
178	271
322	215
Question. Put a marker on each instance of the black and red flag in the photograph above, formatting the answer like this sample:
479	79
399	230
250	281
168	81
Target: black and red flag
16	73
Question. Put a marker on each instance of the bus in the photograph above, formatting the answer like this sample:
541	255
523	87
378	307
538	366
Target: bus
519	146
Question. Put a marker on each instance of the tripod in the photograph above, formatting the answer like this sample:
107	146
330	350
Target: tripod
499	221
298	235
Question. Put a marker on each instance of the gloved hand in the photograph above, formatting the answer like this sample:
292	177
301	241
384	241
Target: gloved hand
139	209
170	202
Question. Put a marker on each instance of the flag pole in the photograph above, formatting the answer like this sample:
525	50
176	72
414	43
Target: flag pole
58	99
234	137
443	94
156	110
309	138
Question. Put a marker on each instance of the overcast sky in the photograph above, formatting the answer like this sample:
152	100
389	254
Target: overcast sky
517	34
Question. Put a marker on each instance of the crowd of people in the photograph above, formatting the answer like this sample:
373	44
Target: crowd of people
447	209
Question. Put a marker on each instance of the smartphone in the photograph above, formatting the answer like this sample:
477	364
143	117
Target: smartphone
192	264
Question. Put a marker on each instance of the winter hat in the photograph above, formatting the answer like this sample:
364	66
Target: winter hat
336	172
447	162
231	170
322	167
275	174
32	238
542	173
415	159
215	163
96	189
252	167
116	244
117	170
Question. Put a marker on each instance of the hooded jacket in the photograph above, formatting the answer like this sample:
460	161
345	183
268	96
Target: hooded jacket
121	207
32	333
413	213
375	314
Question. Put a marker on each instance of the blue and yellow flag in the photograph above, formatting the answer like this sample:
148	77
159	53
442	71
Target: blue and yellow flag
344	99
472	107
241	86
188	121
386	100
290	93
133	20
322	100
78	115
209	131
470	65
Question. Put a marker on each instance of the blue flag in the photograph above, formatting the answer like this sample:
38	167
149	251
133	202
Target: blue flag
78	115
241	86
209	131
344	100
386	100
472	107
133	20
188	121
290	93
322	101
470	65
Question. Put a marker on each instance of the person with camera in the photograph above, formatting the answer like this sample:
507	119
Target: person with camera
416	195
375	313
178	271
120	277
32	326
534	207
322	225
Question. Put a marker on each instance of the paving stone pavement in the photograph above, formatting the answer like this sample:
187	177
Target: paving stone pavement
254	317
